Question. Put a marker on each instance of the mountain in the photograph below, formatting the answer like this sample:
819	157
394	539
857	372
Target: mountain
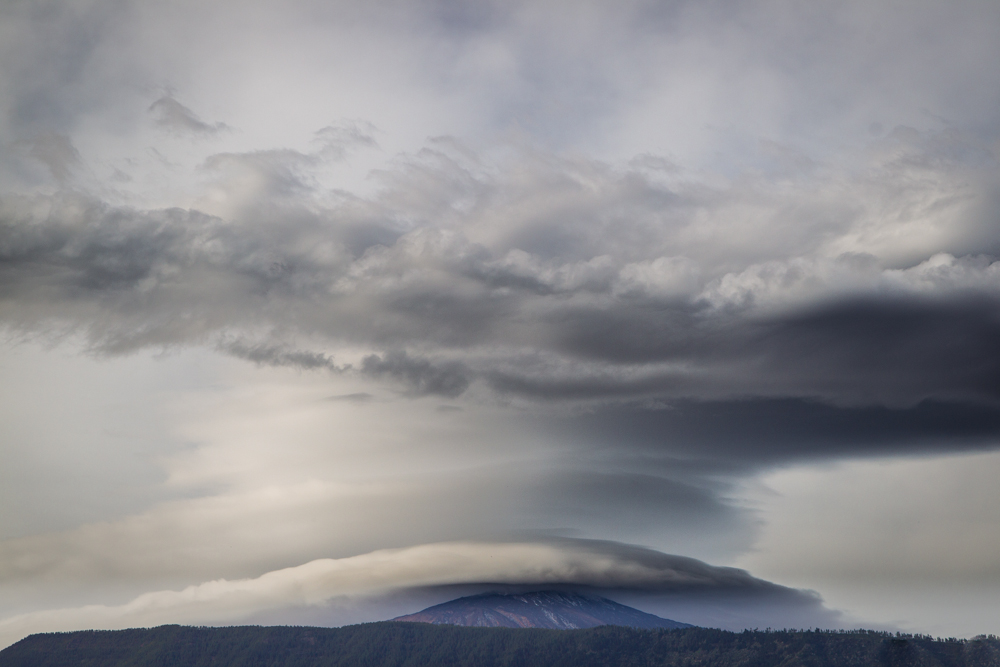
541	609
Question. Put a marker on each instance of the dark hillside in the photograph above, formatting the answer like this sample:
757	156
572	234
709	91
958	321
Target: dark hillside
418	645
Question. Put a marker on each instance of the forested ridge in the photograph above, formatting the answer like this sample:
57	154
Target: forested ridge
417	645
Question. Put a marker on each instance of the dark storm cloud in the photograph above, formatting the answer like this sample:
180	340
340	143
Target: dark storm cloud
766	431
891	349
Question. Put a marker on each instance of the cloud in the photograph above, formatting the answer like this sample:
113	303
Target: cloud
336	141
764	432
274	355
356	397
56	152
172	115
545	277
419	375
248	460
348	582
263	175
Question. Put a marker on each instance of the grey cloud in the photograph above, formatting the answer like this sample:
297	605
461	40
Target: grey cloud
613	492
893	351
275	355
603	60
281	172
170	276
336	141
56	152
823	62
630	499
51	49
84	246
356	397
553	280
555	387
286	174
763	432
172	115
889	350
634	321
420	375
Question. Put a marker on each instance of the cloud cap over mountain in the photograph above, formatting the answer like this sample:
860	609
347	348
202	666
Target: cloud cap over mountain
360	586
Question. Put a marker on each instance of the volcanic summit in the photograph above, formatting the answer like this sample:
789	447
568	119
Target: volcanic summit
541	609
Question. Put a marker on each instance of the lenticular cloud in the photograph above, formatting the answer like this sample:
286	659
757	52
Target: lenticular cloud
368	579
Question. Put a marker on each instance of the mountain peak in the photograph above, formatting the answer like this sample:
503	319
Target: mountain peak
539	609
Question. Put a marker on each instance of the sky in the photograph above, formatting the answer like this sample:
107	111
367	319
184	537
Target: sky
321	312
